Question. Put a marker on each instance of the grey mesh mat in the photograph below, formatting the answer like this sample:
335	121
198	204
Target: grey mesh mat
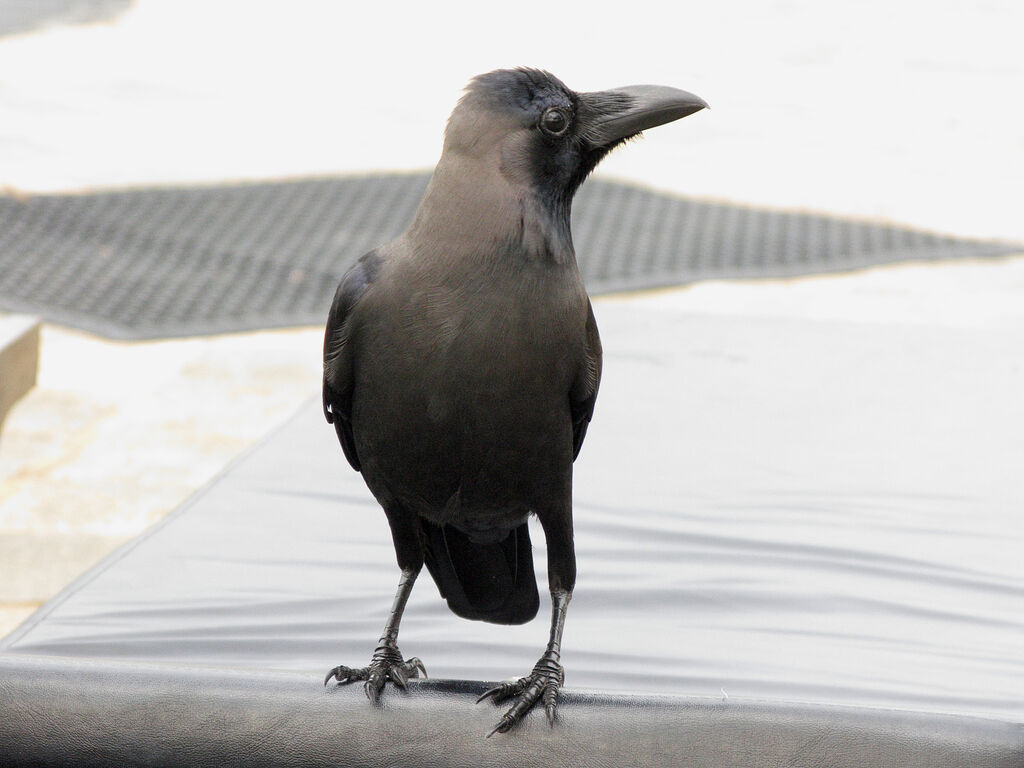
17	16
185	261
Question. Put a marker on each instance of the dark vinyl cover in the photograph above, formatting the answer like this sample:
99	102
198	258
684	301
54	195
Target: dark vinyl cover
69	712
767	510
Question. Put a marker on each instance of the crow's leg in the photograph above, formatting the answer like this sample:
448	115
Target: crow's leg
547	677
387	662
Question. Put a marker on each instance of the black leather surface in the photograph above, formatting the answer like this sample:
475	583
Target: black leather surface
68	712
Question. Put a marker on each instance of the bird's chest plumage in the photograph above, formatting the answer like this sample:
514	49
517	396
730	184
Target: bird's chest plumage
462	389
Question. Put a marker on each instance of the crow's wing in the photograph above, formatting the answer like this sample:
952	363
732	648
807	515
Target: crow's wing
584	391
338	357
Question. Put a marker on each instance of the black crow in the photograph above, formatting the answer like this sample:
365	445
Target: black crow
462	360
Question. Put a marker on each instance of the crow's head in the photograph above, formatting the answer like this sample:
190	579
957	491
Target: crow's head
549	137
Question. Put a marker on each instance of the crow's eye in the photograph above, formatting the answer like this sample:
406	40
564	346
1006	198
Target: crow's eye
554	122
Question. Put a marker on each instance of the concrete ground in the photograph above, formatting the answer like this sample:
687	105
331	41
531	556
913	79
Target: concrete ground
115	435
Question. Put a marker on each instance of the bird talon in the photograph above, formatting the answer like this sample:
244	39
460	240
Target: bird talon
504	690
417	665
398	676
371	689
342	674
541	685
386	664
502	727
490	692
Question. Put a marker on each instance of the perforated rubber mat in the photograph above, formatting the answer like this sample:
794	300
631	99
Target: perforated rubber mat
17	16
186	261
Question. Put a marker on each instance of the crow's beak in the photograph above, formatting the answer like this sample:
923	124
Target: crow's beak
608	117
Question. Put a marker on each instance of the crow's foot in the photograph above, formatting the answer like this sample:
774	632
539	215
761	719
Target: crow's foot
541	684
387	664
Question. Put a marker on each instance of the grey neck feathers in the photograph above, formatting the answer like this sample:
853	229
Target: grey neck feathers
492	217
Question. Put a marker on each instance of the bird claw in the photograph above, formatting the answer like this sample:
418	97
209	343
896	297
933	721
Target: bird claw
417	664
504	690
341	673
502	726
387	664
399	677
540	685
550	697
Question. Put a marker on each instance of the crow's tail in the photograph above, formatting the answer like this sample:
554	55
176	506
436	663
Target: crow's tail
487	582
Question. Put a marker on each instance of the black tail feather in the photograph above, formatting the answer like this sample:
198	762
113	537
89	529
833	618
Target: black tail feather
487	582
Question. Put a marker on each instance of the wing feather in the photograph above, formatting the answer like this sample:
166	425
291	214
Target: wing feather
338	358
583	395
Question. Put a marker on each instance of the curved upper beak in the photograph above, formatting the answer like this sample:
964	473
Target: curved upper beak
609	116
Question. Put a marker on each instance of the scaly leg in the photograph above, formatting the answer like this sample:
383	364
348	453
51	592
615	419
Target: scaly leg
387	662
547	675
545	679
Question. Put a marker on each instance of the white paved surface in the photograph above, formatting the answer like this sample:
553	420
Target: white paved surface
899	110
117	434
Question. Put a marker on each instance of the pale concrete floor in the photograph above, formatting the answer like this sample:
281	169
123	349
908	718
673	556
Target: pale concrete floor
117	434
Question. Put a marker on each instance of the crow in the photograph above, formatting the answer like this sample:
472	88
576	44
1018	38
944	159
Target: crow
462	361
